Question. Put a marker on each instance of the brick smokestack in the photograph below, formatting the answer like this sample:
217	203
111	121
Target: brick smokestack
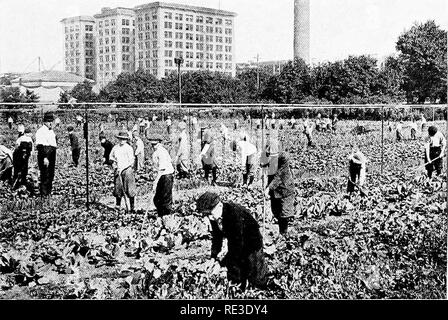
302	29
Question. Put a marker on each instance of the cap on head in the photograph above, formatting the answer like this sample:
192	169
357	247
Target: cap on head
70	128
206	202
123	135
48	117
432	130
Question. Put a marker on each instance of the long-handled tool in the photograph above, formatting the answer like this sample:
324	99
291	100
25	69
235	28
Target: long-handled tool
429	162
363	193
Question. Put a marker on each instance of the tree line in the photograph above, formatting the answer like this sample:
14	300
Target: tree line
416	73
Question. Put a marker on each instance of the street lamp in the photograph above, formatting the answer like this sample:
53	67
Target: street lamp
179	61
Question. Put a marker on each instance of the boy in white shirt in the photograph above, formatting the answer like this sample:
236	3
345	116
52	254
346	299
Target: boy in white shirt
248	153
122	158
46	154
435	145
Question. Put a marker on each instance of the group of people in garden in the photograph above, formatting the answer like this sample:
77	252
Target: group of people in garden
244	259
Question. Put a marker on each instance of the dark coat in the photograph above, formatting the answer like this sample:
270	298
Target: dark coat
74	142
107	145
282	184
243	241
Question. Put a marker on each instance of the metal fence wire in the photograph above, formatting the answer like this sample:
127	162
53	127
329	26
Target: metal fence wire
319	154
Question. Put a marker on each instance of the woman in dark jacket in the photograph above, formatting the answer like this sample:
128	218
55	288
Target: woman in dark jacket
281	191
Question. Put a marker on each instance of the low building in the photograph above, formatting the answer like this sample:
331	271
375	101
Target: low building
48	84
271	67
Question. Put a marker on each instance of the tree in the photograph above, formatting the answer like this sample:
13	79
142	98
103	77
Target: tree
83	92
423	52
292	85
249	86
13	95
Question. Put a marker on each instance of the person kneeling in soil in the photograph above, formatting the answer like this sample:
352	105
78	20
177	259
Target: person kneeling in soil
281	192
435	145
357	171
163	184
122	157
244	259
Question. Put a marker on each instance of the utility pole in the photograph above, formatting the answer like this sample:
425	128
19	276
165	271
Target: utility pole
179	61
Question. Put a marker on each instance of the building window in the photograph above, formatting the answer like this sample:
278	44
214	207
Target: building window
168	34
178	54
209	47
199	19
228	40
199	28
168	25
178	16
189	36
168	53
106	23
179	45
179	35
168	63
189	45
228	49
228	31
199	55
209	20
178	26
228	22
168	44
218	21
112	22
189	27
168	15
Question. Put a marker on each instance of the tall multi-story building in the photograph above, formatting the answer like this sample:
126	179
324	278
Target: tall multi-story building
79	46
203	37
115	43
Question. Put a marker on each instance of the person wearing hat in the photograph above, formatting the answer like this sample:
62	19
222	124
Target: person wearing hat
356	169
46	154
21	130
168	125
107	146
139	151
244	260
6	164
435	145
182	154
248	153
308	131
122	157
163	184
21	155
281	191
208	156
74	145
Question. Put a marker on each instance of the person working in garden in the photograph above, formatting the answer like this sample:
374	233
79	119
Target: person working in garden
168	125
248	152
46	154
163	183
107	146
293	122
182	154
6	164
413	127
78	120
244	260
334	121
399	131
357	166
308	131
122	158
21	156
139	151
435	146
10	122
74	144
280	189
208	156
423	122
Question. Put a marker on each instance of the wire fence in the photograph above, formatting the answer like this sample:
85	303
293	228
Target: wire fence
318	156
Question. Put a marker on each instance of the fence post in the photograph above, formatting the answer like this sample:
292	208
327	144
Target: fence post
382	140
86	137
262	175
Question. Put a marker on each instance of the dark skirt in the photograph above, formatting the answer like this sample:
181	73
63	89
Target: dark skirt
163	199
125	184
437	164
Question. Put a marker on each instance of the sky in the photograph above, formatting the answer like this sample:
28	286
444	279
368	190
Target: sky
339	28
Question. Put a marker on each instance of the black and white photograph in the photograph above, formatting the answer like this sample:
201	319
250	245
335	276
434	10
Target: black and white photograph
223	150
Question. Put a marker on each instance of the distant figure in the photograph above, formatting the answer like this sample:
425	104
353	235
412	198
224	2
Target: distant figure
258	123
248	152
20	130
208	156
168	125
413	126
46	154
21	155
435	146
183	151
308	131
236	124
281	123
107	145
423	122
78	120
334	122
74	144
357	170
154	119
57	122
10	122
399	131
139	152
293	122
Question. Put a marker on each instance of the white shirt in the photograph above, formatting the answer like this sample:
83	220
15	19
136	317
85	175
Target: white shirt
438	140
413	125
45	137
57	120
139	146
154	118
5	152
194	120
10	120
399	127
168	122
183	150
123	156
224	132
162	160
247	149
24	138
79	118
293	120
